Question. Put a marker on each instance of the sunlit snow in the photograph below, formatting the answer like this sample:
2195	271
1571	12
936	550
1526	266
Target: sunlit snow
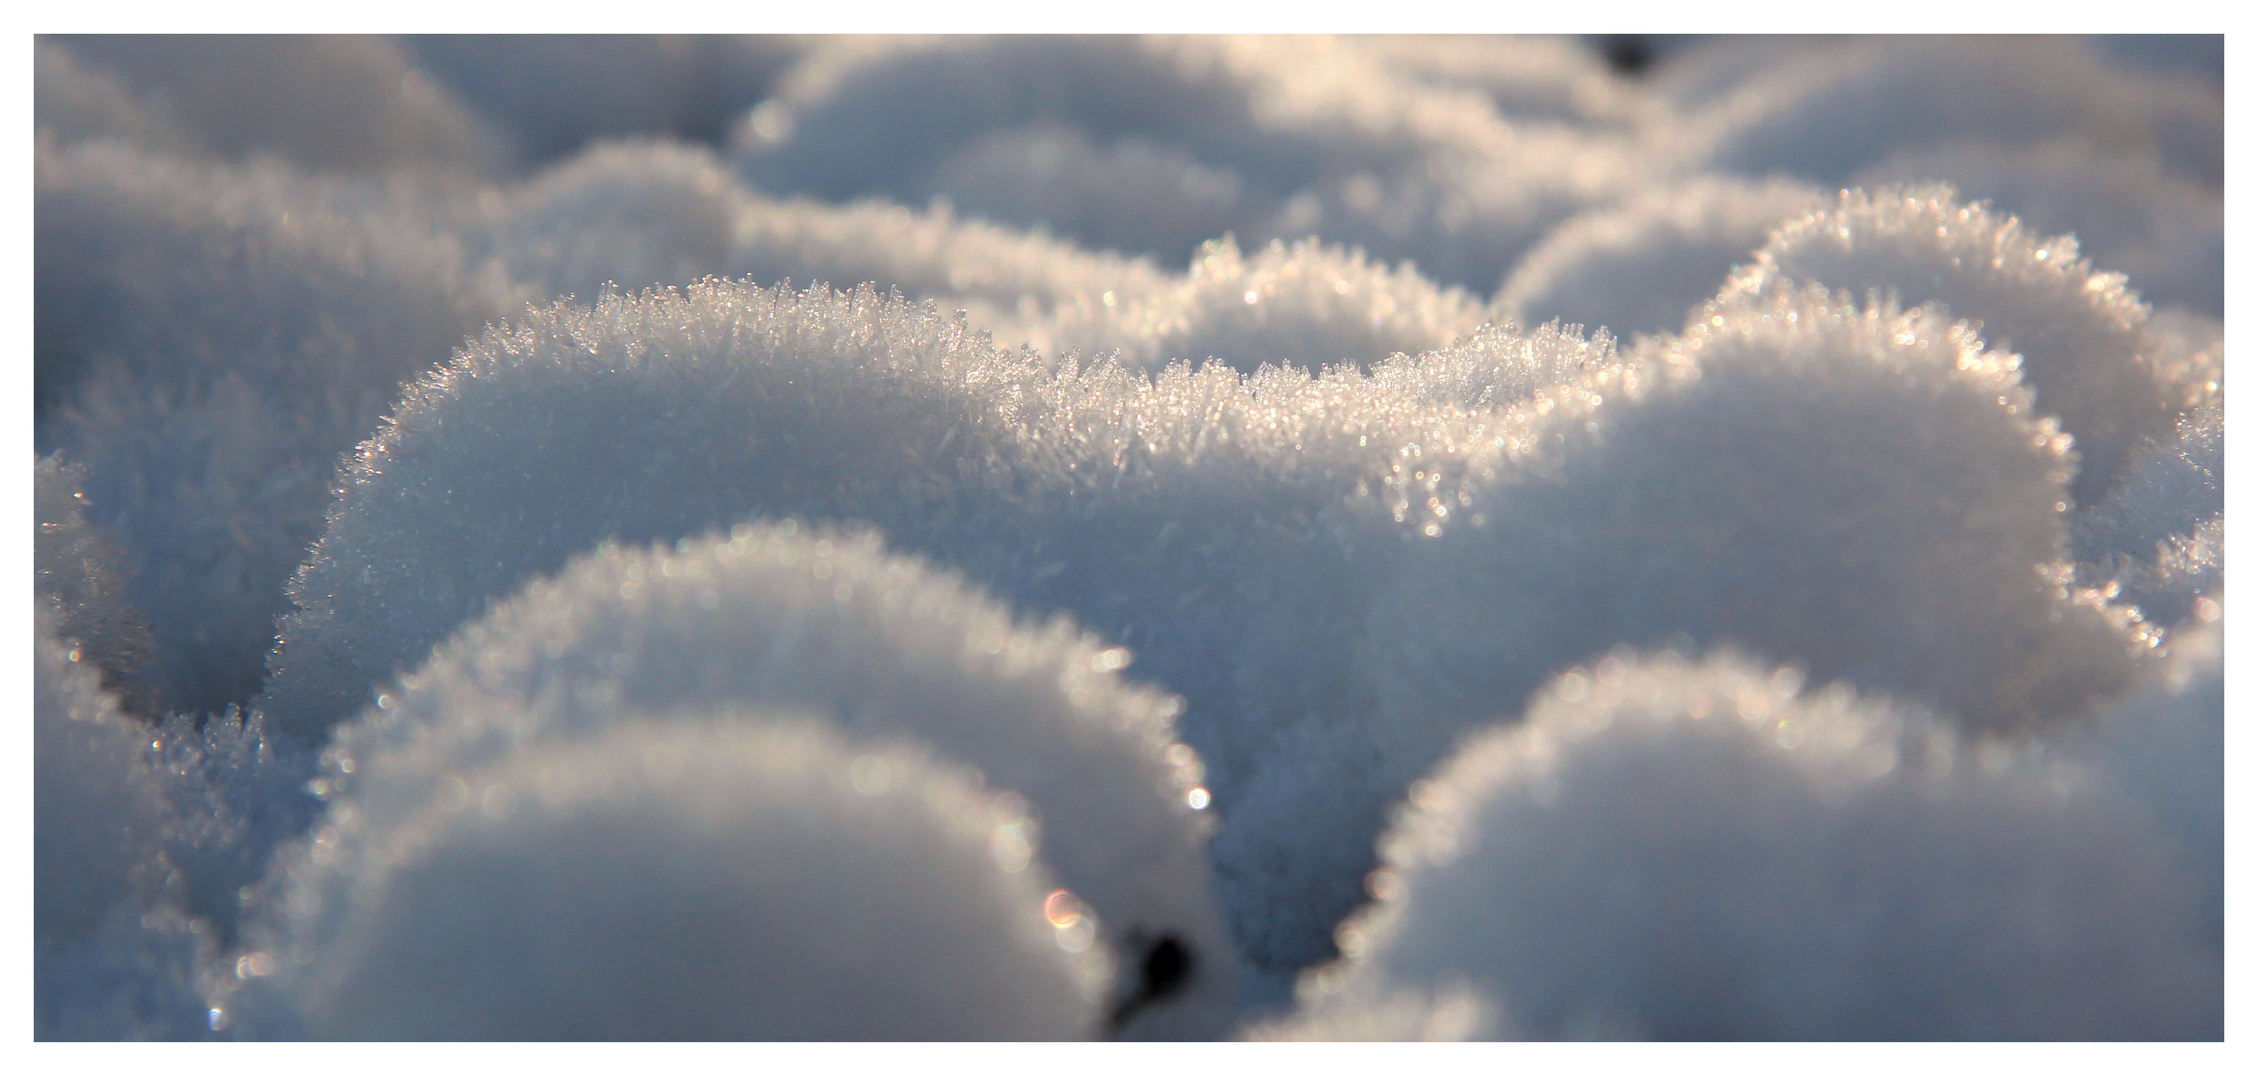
1010	538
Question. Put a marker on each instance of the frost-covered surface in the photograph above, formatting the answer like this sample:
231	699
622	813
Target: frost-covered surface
746	878
78	573
2077	328
1284	368
1863	490
1820	865
113	958
1113	495
643	418
2130	213
210	339
638	214
1810	487
782	618
1276	138
1303	305
1641	267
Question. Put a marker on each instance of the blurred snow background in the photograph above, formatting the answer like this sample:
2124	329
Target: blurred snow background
1135	537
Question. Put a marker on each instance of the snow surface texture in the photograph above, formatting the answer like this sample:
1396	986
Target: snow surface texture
1642	267
791	619
1347	523
111	957
2130	213
1305	305
1275	138
745	878
1865	491
1844	488
639	419
638	214
682	412
213	338
1822	866
2079	330
146	826
77	574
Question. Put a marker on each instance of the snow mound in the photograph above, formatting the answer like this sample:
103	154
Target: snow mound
748	878
1822	112
627	214
2130	213
1549	79
331	102
1862	491
639	418
653	213
546	95
1270	137
1308	305
1641	267
1096	491
209	339
1821	866
2078	330
801	620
